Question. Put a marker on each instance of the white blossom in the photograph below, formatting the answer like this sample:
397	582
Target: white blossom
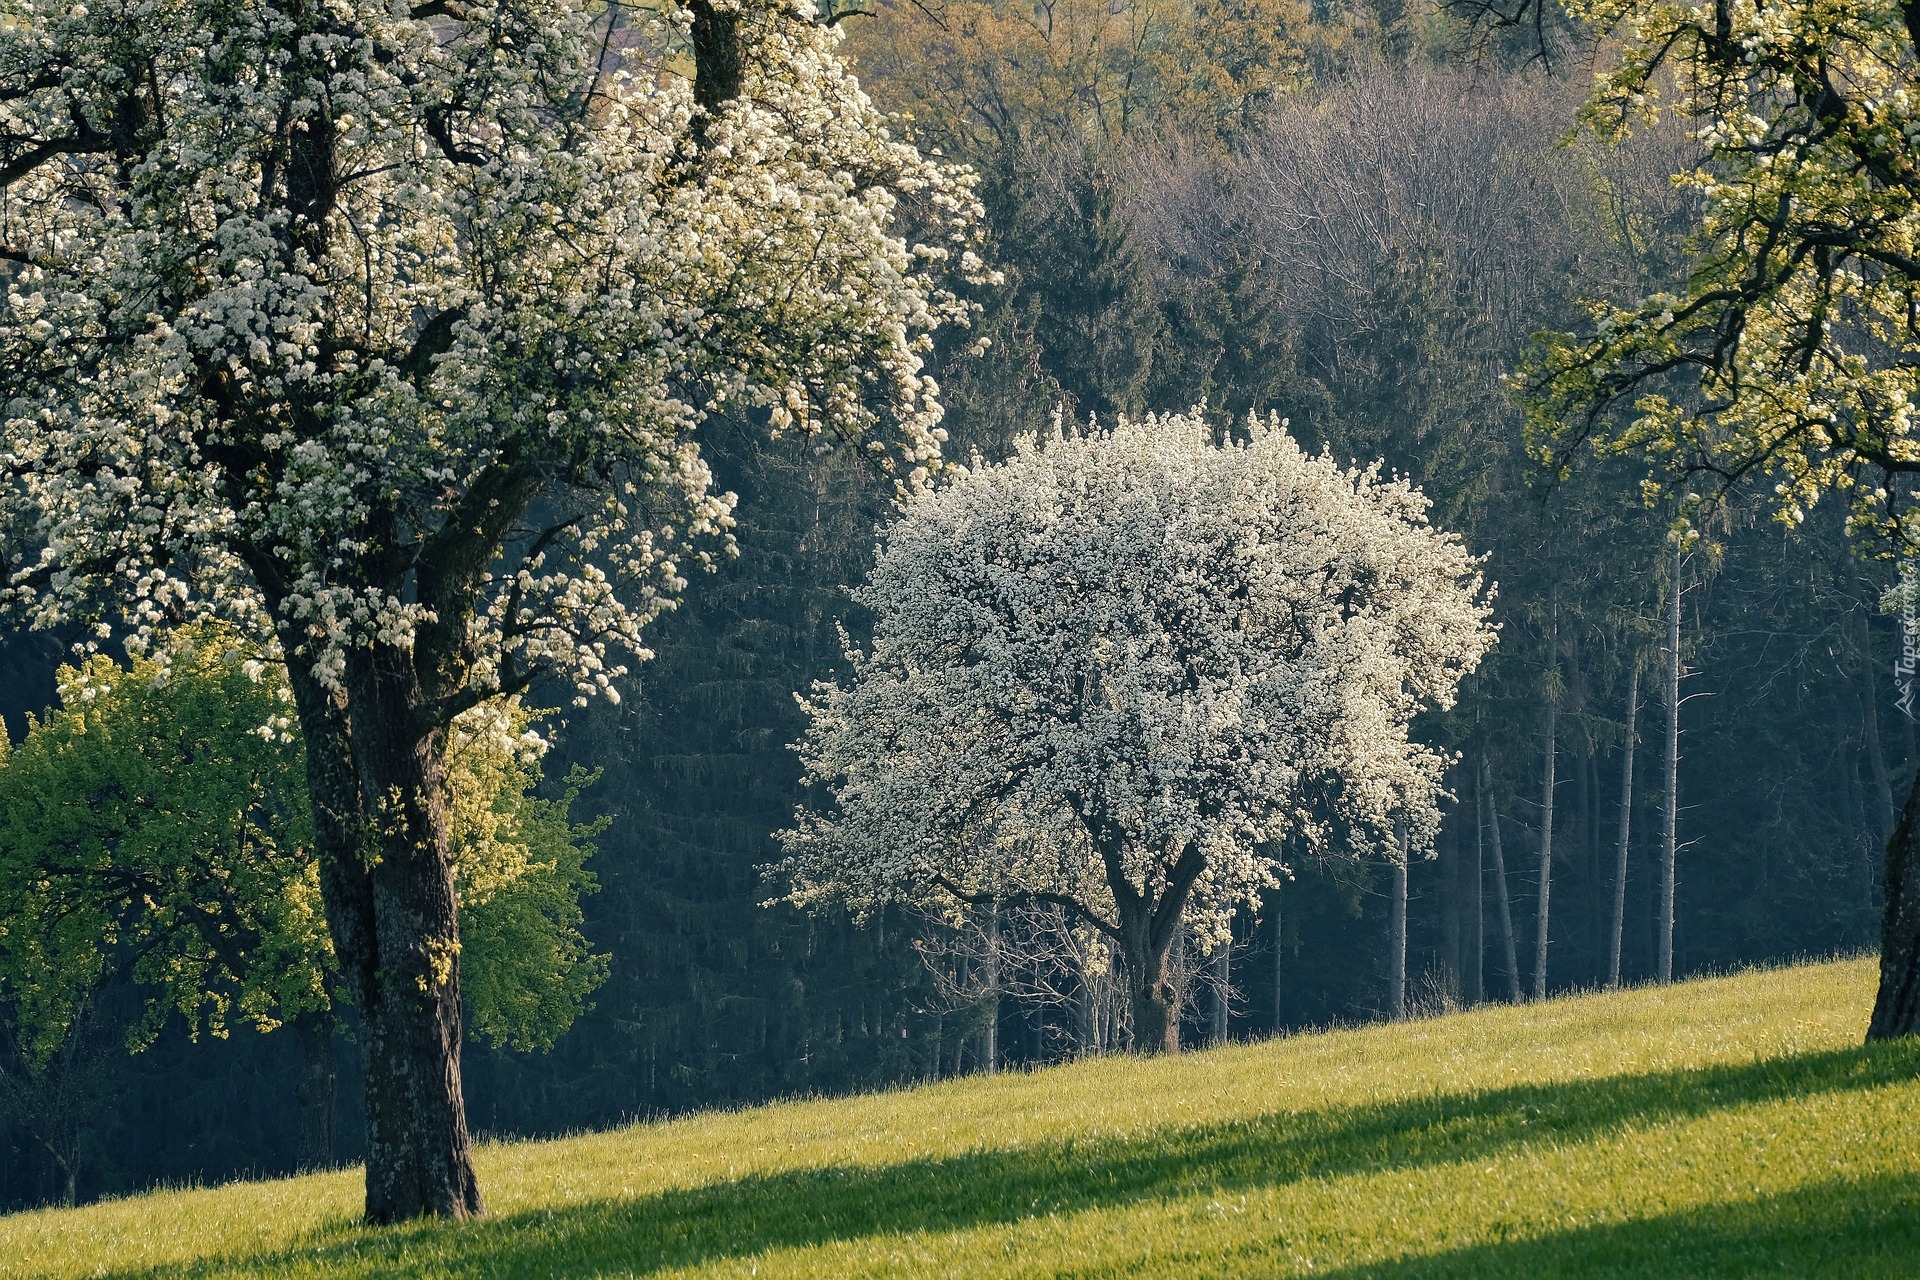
244	382
1121	648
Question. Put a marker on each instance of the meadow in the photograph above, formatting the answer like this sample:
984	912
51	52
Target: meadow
1727	1127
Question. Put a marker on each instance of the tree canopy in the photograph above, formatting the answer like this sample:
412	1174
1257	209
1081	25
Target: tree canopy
1123	670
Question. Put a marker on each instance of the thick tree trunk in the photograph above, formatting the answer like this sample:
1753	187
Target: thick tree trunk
1156	1011
1896	1008
1619	922
1146	928
1500	892
418	1154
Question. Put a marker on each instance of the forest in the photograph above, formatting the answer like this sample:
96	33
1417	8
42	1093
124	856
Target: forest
1684	751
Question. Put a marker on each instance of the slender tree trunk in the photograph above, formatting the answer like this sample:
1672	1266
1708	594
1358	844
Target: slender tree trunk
1500	894
1626	823
1896	1007
1397	932
1477	971
1279	958
419	1159
1546	854
1452	913
1876	757
1663	941
1221	961
990	1034
315	1091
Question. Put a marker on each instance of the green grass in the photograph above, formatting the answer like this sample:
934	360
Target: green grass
1733	1127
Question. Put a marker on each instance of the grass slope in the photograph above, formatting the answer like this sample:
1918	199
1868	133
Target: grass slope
1725	1128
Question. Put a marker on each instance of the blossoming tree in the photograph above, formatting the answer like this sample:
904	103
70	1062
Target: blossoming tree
380	330
1117	672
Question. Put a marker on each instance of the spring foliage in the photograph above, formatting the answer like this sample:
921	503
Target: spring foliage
1123	649
1790	352
156	824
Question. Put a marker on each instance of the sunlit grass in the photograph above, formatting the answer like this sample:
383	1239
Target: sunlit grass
1725	1128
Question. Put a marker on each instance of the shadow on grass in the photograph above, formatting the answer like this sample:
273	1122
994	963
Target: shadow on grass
1842	1230
805	1207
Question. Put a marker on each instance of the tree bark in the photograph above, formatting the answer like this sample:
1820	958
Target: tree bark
1663	939
378	786
419	1159
1156	1013
1546	854
1452	912
1896	1007
1146	926
1500	892
1397	932
1626	822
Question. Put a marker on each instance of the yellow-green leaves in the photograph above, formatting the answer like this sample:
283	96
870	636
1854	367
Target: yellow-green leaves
155	824
1792	353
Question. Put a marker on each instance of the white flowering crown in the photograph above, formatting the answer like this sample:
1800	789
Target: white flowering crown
1123	648
360	322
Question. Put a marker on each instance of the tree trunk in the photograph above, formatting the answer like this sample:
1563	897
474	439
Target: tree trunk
1156	1013
1500	892
1221	961
1452	911
418	1154
315	1092
1546	854
990	1034
1146	928
1279	959
1896	1007
1397	932
1626	822
1876	756
1663	937
1476	973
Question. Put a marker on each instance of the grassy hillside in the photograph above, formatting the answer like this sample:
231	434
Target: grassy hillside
1732	1127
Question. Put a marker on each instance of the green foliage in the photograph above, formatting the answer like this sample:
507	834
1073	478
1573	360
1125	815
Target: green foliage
526	968
1789	353
156	825
1721	1130
156	821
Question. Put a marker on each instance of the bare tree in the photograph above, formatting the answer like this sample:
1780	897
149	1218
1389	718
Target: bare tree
1663	960
1626	822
